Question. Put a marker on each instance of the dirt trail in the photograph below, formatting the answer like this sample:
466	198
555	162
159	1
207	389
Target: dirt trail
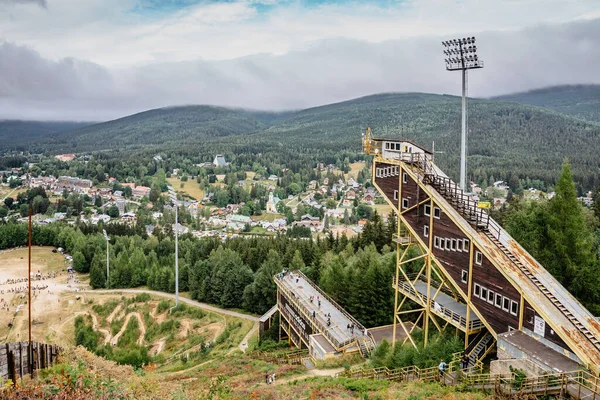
184	300
113	313
96	327
309	374
142	328
243	346
158	346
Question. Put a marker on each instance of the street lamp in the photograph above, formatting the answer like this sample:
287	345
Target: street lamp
107	270
461	55
173	197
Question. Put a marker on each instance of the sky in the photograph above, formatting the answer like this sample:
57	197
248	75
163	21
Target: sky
95	60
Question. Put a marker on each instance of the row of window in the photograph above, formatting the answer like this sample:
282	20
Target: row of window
496	299
384	172
437	213
392	146
460	245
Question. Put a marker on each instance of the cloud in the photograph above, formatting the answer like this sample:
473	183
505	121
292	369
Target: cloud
41	3
330	70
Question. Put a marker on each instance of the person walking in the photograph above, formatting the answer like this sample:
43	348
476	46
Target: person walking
442	367
267	379
465	361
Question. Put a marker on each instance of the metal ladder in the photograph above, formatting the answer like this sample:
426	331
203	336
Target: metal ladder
364	347
564	310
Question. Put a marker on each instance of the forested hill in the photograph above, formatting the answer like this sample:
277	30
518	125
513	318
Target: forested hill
505	139
581	101
188	125
19	135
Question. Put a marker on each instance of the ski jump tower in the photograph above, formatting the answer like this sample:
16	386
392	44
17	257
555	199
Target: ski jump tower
456	266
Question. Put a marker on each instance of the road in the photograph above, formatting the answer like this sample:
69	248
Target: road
183	300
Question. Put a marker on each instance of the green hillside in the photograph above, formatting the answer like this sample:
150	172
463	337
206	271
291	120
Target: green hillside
176	126
581	101
19	135
506	140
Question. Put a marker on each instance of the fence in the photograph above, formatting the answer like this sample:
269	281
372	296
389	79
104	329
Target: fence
14	358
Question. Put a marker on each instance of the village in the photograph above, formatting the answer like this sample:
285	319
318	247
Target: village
337	204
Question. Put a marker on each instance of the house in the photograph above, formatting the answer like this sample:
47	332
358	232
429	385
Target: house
272	177
157	215
100	218
234	208
129	184
118	194
350	194
71	185
141	191
60	216
368	199
158	158
219	161
180	229
65	157
312	185
326	181
128	217
111	180
241	183
208	197
347	203
501	185
272	204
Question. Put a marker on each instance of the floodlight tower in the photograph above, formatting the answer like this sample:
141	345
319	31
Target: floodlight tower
173	197
107	270
461	55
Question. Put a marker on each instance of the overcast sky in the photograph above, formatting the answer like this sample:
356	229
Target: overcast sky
101	59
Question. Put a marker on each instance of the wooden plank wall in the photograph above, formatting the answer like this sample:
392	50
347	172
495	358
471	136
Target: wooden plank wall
14	358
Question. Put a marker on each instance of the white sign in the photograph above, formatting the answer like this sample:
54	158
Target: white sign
539	326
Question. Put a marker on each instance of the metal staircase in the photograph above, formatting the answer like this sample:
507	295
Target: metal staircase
483	342
564	310
366	346
467	208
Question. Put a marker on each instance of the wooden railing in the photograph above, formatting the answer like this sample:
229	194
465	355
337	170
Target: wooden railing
437	308
369	341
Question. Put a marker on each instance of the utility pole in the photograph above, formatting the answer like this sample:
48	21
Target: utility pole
107	258
30	347
461	55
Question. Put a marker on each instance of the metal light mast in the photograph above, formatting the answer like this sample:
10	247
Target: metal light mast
107	270
461	55
175	202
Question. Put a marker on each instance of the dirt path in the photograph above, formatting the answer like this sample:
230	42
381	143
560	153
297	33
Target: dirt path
96	327
158	346
142	328
113	313
183	300
243	346
309	374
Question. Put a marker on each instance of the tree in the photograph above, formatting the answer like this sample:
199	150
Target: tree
24	210
113	211
596	202
346	217
79	262
8	202
98	272
262	293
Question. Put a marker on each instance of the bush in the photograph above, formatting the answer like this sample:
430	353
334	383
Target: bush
163	305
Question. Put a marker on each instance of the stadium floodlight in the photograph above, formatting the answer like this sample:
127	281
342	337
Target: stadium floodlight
175	202
464	57
107	269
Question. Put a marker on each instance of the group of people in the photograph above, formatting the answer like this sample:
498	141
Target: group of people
464	364
350	328
269	378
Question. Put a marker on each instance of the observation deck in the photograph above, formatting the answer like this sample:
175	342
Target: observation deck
307	318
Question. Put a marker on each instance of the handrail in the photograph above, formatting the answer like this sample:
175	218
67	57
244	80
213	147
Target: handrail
314	321
338	307
436	307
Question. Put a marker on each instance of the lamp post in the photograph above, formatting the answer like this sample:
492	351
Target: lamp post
107	258
173	197
461	55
